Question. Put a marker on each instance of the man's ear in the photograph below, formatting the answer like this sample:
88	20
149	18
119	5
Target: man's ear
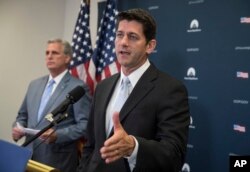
151	46
68	59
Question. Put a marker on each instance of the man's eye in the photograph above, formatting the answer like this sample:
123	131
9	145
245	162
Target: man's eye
119	35
133	37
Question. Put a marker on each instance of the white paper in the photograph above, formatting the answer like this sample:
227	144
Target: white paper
29	131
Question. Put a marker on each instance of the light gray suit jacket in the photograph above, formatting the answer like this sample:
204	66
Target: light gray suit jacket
62	154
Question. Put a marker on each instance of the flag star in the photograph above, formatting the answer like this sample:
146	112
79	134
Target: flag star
111	38
89	54
84	23
111	58
79	58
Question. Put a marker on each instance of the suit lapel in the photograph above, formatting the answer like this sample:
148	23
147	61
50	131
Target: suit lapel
107	92
141	89
58	91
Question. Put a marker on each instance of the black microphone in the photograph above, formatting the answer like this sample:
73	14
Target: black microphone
72	97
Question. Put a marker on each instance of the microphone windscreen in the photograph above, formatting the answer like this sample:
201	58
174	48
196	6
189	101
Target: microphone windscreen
75	94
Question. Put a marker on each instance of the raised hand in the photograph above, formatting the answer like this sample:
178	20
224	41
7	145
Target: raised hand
119	145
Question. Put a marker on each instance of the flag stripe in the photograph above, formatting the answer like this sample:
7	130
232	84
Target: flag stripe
104	53
82	48
94	66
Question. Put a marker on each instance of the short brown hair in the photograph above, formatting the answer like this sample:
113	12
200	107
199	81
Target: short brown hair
143	17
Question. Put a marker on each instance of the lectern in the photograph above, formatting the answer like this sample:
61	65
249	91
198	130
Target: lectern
14	158
34	166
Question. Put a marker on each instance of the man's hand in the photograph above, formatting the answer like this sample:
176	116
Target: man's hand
17	133
49	136
119	145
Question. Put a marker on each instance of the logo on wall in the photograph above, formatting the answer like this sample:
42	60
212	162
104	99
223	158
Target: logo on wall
243	75
194	26
191	2
191	74
191	123
185	167
192	97
239	128
190	146
244	102
192	50
240	48
156	7
245	19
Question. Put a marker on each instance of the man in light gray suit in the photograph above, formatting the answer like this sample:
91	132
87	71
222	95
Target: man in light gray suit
57	147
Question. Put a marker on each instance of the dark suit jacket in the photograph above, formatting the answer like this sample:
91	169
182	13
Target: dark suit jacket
62	154
156	113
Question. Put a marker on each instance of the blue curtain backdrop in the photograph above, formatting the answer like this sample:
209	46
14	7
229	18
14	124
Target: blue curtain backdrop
206	45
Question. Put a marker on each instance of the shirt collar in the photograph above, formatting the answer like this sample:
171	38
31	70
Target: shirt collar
58	78
136	75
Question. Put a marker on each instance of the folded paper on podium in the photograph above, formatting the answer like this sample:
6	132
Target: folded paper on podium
13	158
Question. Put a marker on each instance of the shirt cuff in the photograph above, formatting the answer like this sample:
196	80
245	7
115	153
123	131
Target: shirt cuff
132	158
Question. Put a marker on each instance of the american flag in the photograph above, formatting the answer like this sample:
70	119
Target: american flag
81	46
245	19
242	75
103	62
239	128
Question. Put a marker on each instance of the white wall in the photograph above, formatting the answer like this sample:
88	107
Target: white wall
25	27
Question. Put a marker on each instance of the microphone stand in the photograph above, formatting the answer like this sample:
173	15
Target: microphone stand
52	123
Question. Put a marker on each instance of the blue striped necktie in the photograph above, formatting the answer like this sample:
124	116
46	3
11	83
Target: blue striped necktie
45	98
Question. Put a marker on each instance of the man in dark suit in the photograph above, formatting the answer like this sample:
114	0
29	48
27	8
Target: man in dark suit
150	131
57	147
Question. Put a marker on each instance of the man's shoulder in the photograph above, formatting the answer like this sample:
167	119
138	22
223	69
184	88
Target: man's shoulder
39	79
164	77
112	78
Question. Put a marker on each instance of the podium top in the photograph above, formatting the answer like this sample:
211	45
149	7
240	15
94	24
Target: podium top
13	158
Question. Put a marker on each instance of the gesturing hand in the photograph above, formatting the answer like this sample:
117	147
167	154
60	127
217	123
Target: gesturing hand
119	145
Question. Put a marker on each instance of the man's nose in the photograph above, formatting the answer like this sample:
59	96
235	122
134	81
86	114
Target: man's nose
124	40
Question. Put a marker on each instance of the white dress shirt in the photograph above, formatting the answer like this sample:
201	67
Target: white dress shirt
133	77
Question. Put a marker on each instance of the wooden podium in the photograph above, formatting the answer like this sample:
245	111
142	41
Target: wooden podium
34	166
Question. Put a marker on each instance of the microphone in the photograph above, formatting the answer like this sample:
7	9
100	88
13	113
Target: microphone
72	97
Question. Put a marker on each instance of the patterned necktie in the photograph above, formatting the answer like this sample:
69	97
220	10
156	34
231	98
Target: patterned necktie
122	96
45	98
